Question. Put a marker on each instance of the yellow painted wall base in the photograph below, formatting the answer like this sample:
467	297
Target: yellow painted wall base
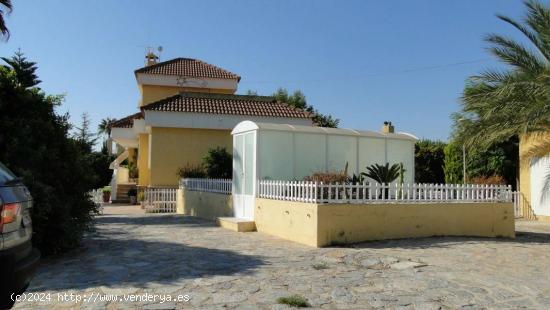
543	218
205	205
296	221
332	224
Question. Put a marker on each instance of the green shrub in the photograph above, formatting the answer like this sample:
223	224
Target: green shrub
191	171
429	159
453	166
294	301
133	170
218	163
36	145
328	177
106	189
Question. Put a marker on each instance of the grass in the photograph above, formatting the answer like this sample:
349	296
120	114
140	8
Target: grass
320	266
294	301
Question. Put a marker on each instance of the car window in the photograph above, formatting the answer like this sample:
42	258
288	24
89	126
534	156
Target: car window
5	174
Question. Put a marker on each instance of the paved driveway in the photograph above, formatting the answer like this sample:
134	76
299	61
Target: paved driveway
137	256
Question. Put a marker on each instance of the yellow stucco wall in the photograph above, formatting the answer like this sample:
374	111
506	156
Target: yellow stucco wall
525	143
329	224
204	205
152	93
172	148
143	158
340	224
296	221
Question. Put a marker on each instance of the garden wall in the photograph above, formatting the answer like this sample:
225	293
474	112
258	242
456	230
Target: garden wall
332	224
204	204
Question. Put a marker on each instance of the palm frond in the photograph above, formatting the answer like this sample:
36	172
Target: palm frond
515	54
538	145
538	18
5	8
541	46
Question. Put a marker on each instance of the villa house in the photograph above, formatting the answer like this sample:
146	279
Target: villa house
187	106
534	178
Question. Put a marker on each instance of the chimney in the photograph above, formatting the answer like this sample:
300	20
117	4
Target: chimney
150	59
388	127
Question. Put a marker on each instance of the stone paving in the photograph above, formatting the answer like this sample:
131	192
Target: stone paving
131	255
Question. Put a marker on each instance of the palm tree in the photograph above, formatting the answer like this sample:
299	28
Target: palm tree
500	104
105	125
5	7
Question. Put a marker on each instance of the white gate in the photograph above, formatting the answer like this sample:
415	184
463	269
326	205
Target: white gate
244	163
160	200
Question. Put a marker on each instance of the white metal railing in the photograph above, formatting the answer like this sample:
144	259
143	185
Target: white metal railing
96	196
160	200
222	186
305	191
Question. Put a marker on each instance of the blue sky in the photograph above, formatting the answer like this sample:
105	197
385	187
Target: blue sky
364	62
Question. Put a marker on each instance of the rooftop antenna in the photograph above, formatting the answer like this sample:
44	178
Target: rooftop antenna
152	55
159	49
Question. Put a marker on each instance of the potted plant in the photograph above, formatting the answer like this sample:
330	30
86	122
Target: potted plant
106	193
132	194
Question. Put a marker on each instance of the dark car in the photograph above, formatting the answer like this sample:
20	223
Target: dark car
18	258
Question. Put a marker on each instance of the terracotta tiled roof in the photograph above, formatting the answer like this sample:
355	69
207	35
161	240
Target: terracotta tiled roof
226	104
188	67
127	122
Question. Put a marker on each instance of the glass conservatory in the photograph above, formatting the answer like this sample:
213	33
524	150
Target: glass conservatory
265	151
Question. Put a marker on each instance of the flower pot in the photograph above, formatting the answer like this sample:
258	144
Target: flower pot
106	196
133	200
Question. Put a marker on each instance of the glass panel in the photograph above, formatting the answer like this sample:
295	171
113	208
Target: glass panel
342	149
371	151
249	164
309	154
238	164
276	155
401	151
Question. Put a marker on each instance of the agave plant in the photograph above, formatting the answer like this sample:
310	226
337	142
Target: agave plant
356	178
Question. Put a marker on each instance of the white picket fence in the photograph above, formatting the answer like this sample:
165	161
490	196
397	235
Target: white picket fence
375	193
160	200
222	186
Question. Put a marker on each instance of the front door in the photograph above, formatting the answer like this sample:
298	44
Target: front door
243	175
540	185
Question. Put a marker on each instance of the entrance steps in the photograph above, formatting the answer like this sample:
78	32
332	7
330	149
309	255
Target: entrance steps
236	224
122	192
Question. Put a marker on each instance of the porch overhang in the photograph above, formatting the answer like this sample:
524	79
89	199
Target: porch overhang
126	137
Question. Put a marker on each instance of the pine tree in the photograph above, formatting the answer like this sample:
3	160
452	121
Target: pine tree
25	71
